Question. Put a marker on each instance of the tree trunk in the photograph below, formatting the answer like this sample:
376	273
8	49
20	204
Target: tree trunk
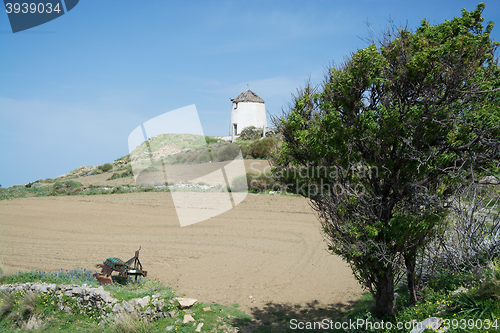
410	263
385	301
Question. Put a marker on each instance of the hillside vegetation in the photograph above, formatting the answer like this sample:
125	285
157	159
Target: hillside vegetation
173	149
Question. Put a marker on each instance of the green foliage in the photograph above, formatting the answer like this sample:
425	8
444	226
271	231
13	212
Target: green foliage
105	167
68	187
76	276
419	108
143	288
127	173
124	159
115	175
259	149
250	133
438	300
211	140
239	184
23	192
263	148
224	152
18	307
255	183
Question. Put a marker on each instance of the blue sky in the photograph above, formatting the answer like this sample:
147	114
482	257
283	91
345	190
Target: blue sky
73	89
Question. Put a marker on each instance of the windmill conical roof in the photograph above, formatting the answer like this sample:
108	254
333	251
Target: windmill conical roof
248	96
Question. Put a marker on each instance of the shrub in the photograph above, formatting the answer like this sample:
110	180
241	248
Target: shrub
127	173
30	184
226	152
68	187
123	160
96	171
105	167
210	140
239	184
263	148
262	182
246	151
117	189
250	133
115	175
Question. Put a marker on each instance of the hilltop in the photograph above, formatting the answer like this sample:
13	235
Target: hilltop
174	149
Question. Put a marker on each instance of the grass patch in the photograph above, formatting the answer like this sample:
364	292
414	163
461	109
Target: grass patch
75	276
25	310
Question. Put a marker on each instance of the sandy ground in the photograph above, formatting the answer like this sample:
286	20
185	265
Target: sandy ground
268	247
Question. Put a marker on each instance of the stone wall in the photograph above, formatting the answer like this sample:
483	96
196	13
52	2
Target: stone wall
97	300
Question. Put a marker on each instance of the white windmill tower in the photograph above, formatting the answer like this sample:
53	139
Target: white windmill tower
248	110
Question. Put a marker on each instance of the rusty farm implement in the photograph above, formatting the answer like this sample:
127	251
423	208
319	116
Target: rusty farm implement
131	267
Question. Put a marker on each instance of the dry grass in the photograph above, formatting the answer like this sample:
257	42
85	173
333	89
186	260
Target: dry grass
129	323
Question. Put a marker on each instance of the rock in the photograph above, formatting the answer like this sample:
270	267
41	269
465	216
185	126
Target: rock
460	290
186	302
198	328
432	323
76	291
42	288
169	328
143	302
127	306
117	307
172	313
207	309
134	301
160	304
187	319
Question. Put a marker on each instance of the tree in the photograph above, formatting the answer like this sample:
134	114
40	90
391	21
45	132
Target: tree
380	144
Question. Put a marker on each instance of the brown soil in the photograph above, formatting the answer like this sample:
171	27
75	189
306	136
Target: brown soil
268	247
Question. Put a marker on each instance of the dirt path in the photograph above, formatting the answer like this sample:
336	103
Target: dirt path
269	247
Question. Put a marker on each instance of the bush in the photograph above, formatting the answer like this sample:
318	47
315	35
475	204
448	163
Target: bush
105	167
245	151
30	184
226	152
210	140
250	133
123	160
127	173
262	182
117	189
69	187
115	175
239	184
263	148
